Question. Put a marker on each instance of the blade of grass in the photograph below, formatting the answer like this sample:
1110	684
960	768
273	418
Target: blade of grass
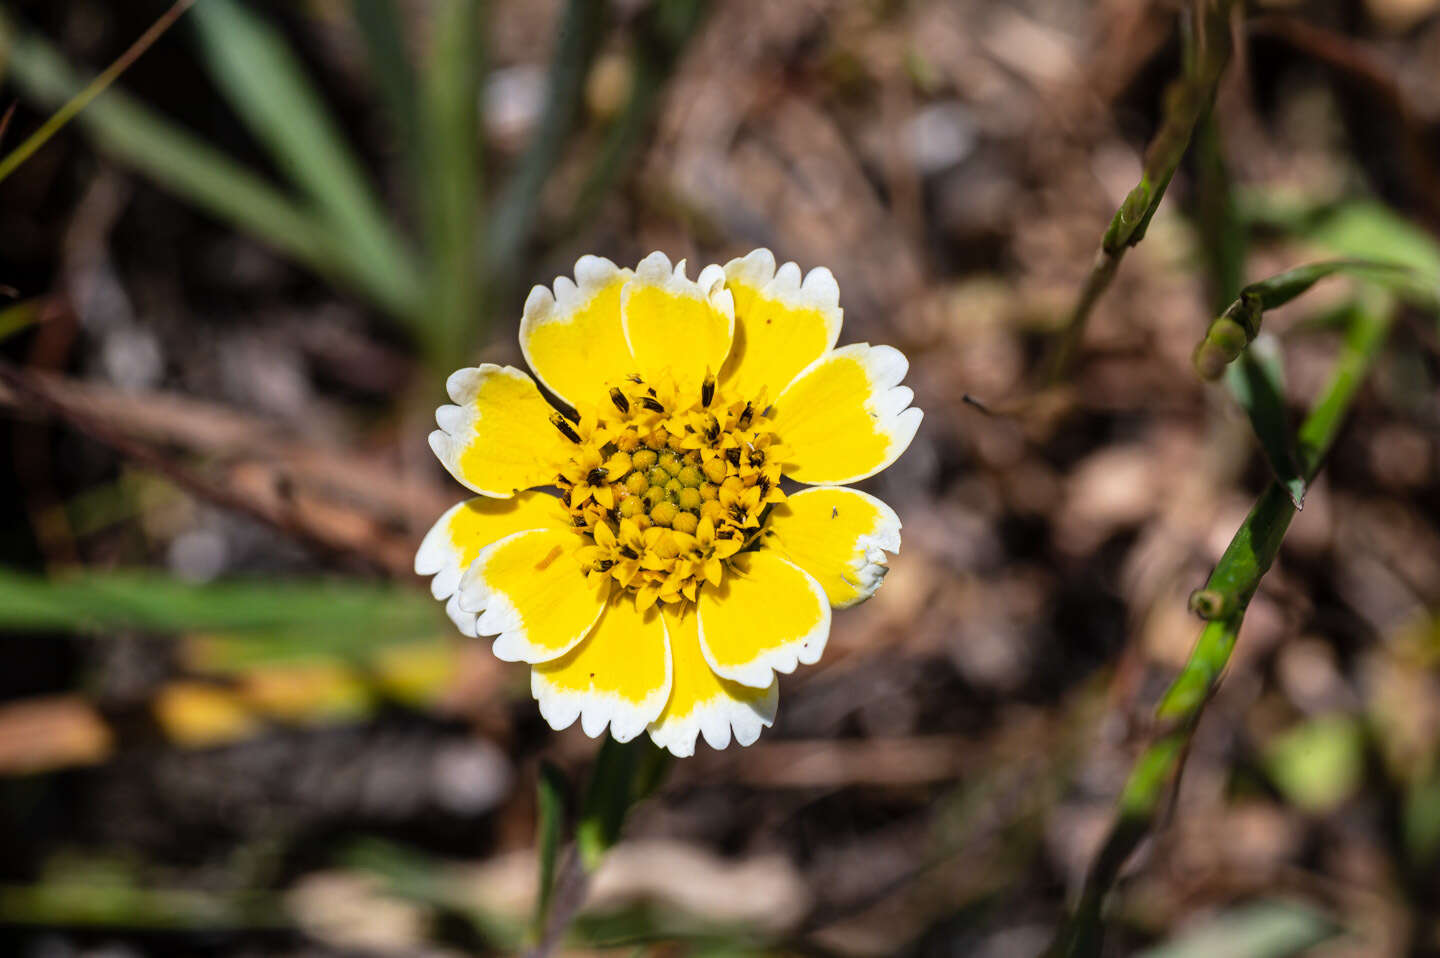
661	34
260	76
1186	101
89	601
550	829
449	99
578	37
1267	929
197	172
384	34
1257	381
94	88
1223	601
21	315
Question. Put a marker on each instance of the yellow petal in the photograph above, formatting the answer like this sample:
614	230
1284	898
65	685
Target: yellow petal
572	337
782	324
676	328
839	536
498	439
532	594
766	616
619	676
846	417
467	527
703	703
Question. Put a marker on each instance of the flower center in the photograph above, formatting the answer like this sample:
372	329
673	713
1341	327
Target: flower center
665	488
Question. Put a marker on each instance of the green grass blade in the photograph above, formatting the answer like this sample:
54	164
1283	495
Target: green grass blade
384	34
94	88
577	40
1257	383
449	97
258	74
197	172
1270	929
550	830
320	616
21	315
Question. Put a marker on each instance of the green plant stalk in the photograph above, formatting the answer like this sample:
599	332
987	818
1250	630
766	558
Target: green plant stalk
72	107
549	826
1187	100
1257	382
608	800
661	34
383	30
1236	328
578	37
260	77
623	775
1231	586
449	92
197	172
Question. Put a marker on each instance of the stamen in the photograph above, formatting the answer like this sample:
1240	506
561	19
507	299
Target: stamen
566	430
642	486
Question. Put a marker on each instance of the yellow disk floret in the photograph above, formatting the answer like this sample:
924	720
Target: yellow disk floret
665	489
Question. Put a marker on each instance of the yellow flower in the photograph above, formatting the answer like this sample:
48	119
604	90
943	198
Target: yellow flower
671	577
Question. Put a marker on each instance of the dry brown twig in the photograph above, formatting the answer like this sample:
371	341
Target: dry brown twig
332	503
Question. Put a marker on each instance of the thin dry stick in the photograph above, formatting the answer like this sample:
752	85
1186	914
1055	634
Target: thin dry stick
31	391
1186	101
96	87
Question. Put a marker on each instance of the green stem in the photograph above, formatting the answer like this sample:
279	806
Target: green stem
1226	594
661	34
449	92
582	27
1187	100
624	774
91	90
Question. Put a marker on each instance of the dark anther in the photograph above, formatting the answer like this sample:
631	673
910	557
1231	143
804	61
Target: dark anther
629	553
651	390
618	398
597	475
580	521
604	565
707	391
651	404
746	415
734	456
635	378
566	430
609	449
764	485
757	458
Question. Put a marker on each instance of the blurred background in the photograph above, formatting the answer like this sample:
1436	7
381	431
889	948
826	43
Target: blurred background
232	721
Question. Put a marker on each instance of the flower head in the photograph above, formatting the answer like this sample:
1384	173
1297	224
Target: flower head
672	576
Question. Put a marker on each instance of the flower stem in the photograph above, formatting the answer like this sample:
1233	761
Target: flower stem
624	774
1228	591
